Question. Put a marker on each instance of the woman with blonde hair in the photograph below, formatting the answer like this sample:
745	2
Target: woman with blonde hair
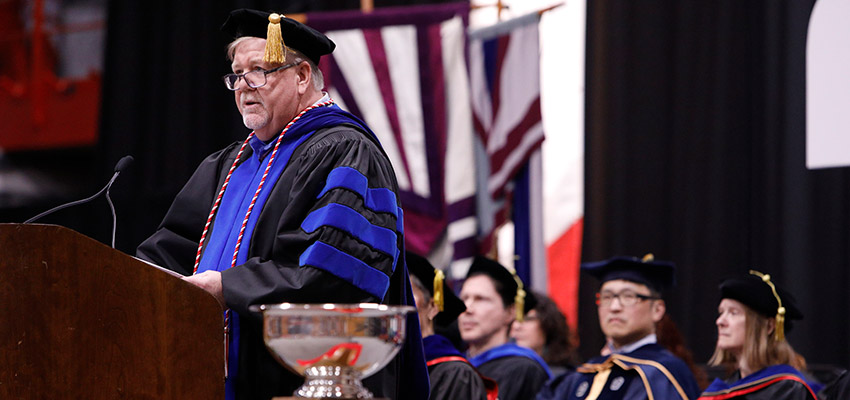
753	317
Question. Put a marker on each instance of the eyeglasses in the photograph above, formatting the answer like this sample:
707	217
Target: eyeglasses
254	78
627	298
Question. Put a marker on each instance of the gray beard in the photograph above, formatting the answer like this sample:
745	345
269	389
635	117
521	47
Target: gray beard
254	121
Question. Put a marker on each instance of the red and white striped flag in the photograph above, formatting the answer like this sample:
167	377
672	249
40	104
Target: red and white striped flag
505	88
548	219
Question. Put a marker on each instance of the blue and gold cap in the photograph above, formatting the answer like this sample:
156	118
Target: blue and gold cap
655	274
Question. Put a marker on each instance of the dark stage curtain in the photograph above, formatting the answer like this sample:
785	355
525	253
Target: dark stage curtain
696	152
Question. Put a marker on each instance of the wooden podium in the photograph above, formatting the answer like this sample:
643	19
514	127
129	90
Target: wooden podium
84	321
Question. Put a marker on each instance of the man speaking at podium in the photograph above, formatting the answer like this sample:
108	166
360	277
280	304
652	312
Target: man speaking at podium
304	210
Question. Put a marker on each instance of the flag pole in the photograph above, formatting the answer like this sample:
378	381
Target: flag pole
550	8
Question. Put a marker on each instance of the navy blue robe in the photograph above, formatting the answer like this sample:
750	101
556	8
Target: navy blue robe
650	368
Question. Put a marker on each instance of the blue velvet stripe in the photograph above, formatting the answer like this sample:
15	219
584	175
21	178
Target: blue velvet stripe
346	267
437	346
378	199
509	350
348	220
399	227
399	223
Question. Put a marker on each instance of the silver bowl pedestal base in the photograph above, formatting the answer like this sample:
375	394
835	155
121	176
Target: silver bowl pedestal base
328	382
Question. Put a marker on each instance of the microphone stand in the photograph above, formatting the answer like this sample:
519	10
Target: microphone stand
122	163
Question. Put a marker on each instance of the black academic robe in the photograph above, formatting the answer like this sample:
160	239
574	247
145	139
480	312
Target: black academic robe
649	369
452	380
836	389
451	375
272	272
519	371
774	382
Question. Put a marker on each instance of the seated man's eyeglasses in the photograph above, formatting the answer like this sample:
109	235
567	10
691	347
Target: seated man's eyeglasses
254	78
627	298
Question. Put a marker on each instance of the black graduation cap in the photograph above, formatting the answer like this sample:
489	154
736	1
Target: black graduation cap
434	282
510	286
758	292
530	301
655	274
295	35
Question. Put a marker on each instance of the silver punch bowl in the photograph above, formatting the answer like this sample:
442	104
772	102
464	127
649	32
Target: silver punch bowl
333	346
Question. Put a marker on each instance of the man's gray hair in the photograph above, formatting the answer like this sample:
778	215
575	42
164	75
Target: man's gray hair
317	78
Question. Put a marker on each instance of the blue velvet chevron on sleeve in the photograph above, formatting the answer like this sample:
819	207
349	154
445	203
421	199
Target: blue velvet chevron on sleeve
353	222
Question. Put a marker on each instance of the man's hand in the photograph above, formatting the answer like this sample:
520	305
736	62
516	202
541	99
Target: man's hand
209	281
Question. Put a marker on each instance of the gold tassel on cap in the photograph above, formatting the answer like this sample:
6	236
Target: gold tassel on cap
439	296
779	332
519	299
274	41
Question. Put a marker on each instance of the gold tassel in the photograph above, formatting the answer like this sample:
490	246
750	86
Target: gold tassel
779	332
274	41
519	299
519	303
439	296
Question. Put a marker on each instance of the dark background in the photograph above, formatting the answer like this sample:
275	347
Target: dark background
695	151
695	148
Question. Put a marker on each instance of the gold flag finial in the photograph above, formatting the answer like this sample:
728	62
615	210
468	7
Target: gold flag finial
274	41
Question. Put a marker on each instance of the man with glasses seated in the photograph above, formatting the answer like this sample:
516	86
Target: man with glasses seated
635	366
306	210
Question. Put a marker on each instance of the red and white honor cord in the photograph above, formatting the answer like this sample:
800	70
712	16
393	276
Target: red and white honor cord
247	214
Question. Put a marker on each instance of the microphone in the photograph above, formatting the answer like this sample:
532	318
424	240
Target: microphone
122	164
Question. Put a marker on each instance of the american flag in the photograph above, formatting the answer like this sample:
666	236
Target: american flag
505	85
547	213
